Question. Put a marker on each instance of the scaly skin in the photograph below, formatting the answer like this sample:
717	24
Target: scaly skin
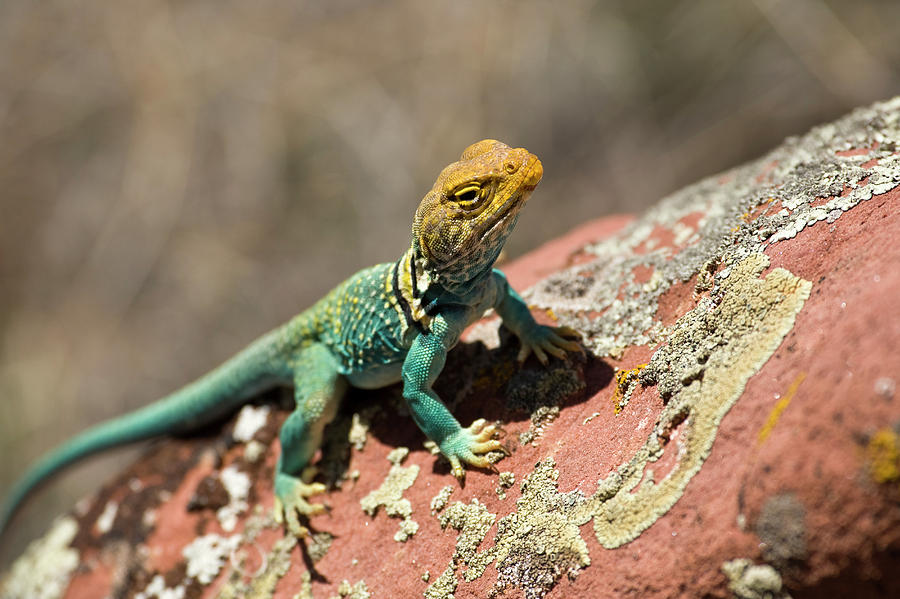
388	323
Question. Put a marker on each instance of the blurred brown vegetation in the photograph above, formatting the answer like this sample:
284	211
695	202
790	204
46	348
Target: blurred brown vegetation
178	177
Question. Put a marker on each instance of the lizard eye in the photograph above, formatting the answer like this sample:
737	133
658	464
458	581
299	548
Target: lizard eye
467	196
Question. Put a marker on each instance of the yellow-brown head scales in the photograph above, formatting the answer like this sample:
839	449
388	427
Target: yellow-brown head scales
463	222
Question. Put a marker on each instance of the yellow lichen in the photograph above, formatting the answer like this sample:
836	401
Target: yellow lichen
626	382
779	408
883	456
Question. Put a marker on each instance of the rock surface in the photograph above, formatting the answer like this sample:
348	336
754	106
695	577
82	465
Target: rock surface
734	430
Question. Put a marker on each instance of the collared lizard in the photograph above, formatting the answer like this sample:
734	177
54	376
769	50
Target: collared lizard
388	323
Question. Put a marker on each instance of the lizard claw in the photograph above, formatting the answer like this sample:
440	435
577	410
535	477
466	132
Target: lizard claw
555	341
291	495
469	446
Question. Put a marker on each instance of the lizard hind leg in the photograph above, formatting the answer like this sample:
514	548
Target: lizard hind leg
318	389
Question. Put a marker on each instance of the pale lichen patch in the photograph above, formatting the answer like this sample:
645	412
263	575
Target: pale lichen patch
473	521
408	528
444	585
254	451
541	418
356	591
390	494
319	544
505	480
305	591
359	429
535	545
341	435
259	521
540	542
701	372
749	581
44	570
439	501
260	584
487	331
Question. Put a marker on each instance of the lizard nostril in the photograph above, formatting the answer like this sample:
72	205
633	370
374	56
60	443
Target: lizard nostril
511	167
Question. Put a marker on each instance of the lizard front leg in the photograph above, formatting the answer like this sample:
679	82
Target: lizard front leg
423	364
534	337
318	388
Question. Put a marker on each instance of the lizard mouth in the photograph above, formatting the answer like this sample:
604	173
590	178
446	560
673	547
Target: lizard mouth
504	212
515	202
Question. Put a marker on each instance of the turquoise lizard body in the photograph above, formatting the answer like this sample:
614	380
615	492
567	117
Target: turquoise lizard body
388	323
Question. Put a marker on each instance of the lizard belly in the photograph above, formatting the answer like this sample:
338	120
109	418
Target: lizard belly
375	376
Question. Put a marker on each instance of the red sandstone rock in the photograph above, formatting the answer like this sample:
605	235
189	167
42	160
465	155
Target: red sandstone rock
757	453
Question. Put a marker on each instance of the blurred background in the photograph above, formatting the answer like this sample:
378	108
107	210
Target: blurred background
179	177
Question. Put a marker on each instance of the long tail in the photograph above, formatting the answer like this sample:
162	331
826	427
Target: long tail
206	400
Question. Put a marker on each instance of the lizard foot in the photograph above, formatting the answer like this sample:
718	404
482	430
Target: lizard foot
469	445
556	341
291	502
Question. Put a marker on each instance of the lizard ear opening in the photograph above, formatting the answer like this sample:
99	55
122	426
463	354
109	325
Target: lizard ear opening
482	147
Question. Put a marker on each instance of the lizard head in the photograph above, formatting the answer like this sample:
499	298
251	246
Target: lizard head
463	222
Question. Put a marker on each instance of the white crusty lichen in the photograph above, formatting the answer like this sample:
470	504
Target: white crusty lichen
472	521
204	558
237	485
157	589
107	517
254	451
806	180
206	555
44	570
249	421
